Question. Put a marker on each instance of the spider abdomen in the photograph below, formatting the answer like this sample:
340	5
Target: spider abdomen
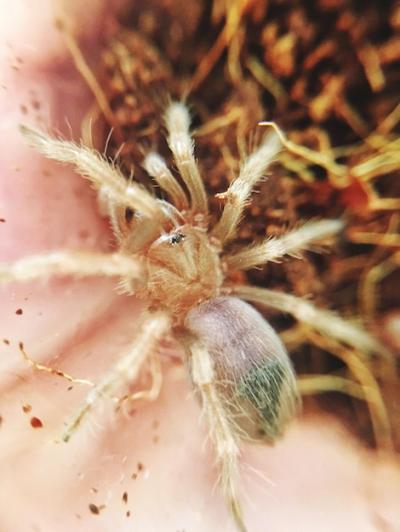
254	376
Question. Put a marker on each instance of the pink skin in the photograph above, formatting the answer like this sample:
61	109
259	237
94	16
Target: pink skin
317	478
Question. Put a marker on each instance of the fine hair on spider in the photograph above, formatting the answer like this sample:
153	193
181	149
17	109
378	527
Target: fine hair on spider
169	256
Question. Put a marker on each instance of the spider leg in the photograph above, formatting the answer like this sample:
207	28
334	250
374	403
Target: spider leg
152	393
223	436
154	326
75	263
328	331
238	193
103	175
156	167
324	321
293	242
177	121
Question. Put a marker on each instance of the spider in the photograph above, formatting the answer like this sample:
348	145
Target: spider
169	256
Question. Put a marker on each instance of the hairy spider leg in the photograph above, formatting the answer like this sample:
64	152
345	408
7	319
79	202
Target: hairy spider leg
224	438
153	327
104	175
177	121
292	243
324	321
149	394
76	263
157	168
238	193
328	331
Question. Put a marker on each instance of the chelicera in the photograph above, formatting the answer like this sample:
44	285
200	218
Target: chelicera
169	255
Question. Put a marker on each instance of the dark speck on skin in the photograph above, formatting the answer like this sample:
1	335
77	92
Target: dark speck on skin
36	423
94	509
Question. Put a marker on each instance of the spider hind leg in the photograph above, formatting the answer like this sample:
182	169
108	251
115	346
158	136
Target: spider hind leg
153	328
224	438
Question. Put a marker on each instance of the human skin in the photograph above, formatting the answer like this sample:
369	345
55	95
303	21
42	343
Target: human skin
316	478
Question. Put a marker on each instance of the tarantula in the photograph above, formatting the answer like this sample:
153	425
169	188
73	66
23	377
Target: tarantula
169	256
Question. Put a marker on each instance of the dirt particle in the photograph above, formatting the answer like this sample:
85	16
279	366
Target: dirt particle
6	342
26	408
128	513
2	220
125	497
1	420
139	468
94	509
19	312
36	423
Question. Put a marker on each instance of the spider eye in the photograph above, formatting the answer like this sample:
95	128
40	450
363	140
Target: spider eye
177	237
128	215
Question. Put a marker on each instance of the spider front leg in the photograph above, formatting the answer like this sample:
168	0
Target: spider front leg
103	174
156	167
177	120
224	438
238	193
153	327
291	243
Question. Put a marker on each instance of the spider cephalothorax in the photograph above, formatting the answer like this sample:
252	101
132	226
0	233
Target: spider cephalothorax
183	269
170	256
